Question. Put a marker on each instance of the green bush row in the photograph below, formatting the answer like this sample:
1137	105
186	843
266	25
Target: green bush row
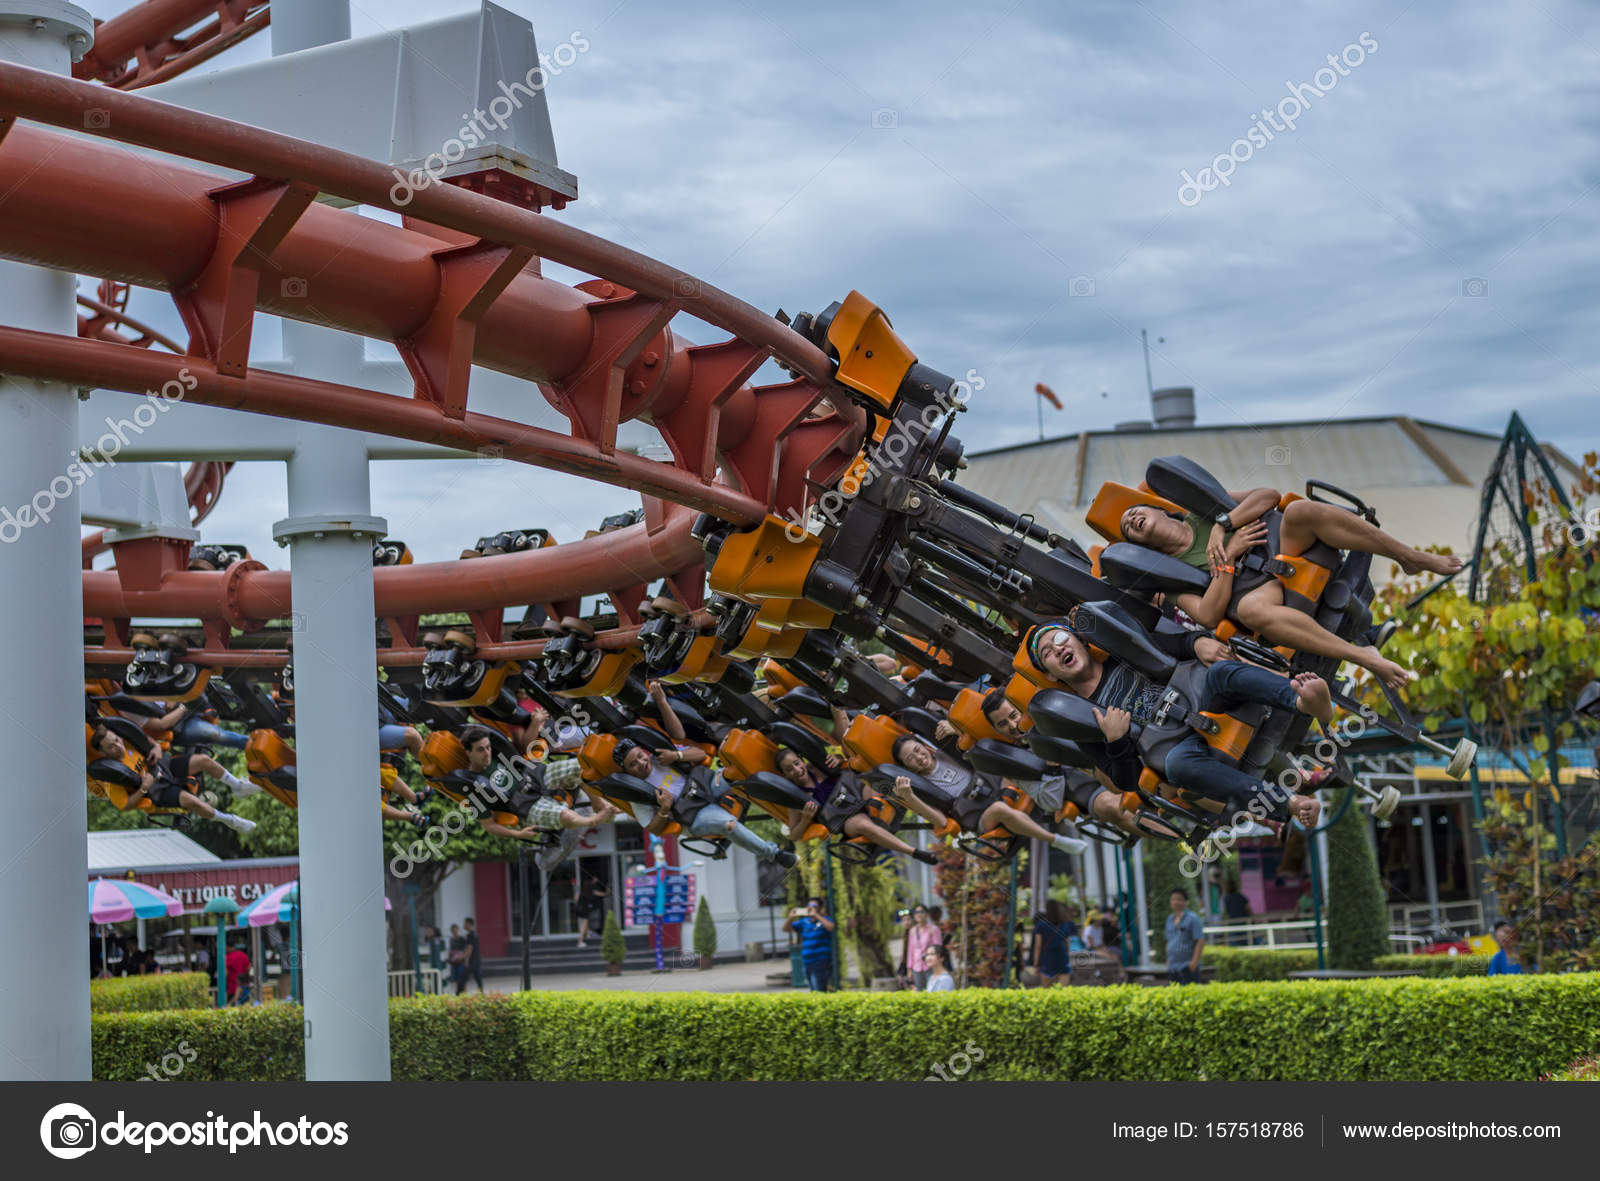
1435	965
1269	963
136	994
1391	1029
1258	963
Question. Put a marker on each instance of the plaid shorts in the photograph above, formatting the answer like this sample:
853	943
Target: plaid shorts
546	814
563	775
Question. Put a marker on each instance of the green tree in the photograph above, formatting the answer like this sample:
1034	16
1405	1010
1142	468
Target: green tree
705	930
1358	922
1162	875
612	948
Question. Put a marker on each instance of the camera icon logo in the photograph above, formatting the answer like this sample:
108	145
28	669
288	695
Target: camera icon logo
885	119
1277	456
686	287
1080	286
491	455
1474	287
67	1131
293	288
96	119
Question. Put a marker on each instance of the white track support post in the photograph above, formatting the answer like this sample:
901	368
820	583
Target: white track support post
331	534
305	24
44	861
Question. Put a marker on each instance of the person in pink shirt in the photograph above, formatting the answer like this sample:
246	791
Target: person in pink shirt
922	935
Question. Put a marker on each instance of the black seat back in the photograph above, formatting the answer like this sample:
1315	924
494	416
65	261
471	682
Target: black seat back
1109	627
1059	714
1009	762
1183	481
1137	568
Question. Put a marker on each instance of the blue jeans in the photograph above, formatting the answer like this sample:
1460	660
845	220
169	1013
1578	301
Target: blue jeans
199	732
1193	765
391	737
712	821
819	975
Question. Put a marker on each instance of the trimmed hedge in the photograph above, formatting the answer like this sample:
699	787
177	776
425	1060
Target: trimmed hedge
1511	1028
1435	965
1258	963
1263	963
139	994
247	1042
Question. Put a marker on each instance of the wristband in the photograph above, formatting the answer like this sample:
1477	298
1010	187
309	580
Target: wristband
1226	569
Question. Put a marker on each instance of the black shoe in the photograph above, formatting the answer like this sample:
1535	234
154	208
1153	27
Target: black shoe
785	858
926	856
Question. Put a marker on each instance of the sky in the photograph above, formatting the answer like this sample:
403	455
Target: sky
1411	230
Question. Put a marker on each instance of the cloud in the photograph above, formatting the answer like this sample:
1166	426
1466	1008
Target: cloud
1032	143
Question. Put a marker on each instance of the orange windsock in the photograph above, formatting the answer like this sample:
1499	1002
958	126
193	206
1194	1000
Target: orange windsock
1048	394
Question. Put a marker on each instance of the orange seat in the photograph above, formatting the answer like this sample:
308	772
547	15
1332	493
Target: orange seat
442	753
745	752
763	563
1105	511
966	715
870	741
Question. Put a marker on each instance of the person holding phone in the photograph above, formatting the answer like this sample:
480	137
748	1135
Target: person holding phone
816	943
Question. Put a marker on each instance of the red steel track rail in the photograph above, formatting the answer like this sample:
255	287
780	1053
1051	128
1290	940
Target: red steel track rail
456	285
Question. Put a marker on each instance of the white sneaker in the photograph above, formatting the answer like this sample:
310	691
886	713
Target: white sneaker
238	823
1071	845
242	788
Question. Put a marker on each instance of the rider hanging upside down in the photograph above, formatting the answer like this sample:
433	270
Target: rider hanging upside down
838	802
544	815
1254	599
1091	797
1126	704
962	796
166	782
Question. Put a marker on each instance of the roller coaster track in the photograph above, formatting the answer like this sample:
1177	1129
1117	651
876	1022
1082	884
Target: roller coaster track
146	45
456	285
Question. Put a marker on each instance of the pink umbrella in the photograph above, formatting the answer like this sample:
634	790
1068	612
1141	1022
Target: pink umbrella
281	904
116	901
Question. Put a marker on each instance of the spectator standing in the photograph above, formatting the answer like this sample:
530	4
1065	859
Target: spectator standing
921	935
472	959
237	969
936	962
457	958
1186	938
1508	960
1051	931
816	943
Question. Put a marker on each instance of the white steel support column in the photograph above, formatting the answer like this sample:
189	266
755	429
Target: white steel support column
331	532
44	864
305	24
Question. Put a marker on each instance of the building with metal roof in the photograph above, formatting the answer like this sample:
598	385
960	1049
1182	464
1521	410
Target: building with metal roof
1424	479
144	848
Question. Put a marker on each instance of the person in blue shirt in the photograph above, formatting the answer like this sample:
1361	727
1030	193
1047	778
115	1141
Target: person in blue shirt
1186	938
816	943
1507	961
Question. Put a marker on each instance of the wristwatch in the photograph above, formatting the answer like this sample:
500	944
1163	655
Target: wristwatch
1224	520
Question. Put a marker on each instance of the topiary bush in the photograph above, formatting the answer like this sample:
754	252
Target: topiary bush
135	994
262	1043
705	930
1357	922
613	950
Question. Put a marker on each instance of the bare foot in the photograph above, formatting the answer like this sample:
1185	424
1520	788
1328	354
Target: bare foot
1387	671
1315	697
1305	809
1418	560
730	826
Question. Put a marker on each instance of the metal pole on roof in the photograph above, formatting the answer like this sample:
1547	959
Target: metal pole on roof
1149	382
